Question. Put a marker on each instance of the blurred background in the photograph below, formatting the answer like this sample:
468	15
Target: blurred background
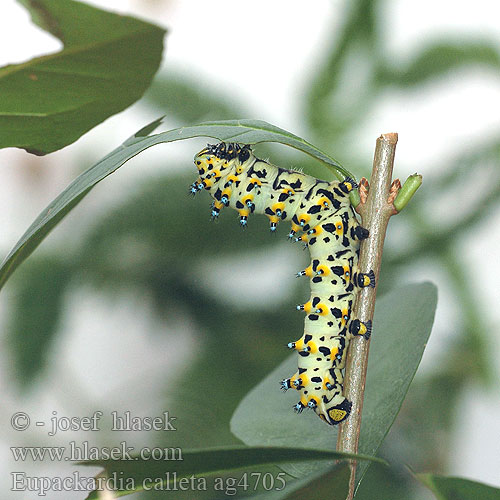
138	302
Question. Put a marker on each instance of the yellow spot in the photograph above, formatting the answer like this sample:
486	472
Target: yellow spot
308	307
248	197
347	274
239	170
340	228
337	415
273	218
303	400
256	181
323	202
362	328
299	344
308	271
244	212
289	191
218	204
304	217
313	348
295	227
278	206
345	313
323	309
325	270
232	178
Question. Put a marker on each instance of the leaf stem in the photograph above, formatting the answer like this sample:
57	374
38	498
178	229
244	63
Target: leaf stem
376	208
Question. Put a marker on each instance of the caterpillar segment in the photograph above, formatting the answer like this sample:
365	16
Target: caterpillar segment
322	218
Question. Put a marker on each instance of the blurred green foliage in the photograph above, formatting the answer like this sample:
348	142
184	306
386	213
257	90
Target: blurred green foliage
169	241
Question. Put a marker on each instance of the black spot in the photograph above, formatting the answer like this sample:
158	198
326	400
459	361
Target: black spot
314	209
239	204
324	350
313	317
327	240
336	312
304	354
317	279
307	338
316	379
338	270
315	301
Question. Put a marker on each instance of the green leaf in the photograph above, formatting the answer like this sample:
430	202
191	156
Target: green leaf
333	484
204	462
244	131
456	488
402	324
107	63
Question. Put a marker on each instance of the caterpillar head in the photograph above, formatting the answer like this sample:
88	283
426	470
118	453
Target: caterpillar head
224	151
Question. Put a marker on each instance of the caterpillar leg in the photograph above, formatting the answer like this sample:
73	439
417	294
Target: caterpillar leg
361	329
363	280
359	233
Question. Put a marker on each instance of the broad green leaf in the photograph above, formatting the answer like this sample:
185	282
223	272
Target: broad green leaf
333	485
244	131
456	488
107	63
204	462
402	324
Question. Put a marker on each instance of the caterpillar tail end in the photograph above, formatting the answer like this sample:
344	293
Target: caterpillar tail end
338	413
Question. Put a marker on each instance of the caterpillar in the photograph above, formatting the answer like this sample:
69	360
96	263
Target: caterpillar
323	219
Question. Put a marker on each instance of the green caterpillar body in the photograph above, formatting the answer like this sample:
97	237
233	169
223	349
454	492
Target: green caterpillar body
322	217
